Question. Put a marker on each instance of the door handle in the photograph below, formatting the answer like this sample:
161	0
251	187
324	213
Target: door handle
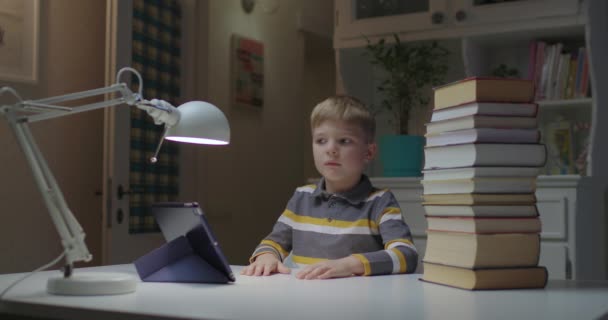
121	192
120	215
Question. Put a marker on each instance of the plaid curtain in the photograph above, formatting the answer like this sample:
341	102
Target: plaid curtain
156	55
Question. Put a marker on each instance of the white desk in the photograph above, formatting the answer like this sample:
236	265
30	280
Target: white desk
285	297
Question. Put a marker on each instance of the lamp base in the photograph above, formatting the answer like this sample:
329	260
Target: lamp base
92	284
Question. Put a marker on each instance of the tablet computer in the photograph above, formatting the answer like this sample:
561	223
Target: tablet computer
191	241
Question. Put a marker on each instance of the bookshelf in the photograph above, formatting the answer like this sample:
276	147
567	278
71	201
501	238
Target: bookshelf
571	202
554	58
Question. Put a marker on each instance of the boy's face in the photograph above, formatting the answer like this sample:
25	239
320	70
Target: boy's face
341	151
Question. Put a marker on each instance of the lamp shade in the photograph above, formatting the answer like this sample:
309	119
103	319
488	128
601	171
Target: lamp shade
201	123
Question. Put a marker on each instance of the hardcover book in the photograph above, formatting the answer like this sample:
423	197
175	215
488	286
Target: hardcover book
486	109
480	185
475	250
479	199
483	90
481	210
479	121
483	135
484	224
480	172
485	154
485	279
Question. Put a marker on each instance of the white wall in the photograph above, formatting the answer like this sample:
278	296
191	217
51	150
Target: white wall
71	59
244	187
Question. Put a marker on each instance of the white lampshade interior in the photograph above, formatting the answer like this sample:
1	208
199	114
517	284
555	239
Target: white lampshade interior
201	123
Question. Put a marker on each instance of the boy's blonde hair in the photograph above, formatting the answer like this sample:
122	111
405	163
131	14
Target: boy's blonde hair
347	109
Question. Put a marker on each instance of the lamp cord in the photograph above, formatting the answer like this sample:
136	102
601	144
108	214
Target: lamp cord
46	266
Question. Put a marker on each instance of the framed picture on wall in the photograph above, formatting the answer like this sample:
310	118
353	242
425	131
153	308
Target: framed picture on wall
247	72
19	40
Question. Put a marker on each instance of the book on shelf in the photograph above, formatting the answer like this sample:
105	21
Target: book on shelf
483	89
475	250
483	135
480	185
579	71
529	210
485	109
563	74
570	82
559	139
475	172
550	69
479	121
479	199
485	278
485	154
559	70
584	88
537	66
484	224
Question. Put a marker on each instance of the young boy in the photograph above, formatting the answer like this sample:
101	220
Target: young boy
342	226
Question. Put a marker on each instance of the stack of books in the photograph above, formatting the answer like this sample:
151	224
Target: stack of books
482	158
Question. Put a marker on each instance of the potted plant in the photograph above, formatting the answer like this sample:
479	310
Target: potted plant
410	68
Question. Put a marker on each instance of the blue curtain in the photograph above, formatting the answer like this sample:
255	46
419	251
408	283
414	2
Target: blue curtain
156	55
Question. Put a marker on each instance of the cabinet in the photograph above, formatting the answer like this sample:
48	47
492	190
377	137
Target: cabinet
468	12
356	20
573	208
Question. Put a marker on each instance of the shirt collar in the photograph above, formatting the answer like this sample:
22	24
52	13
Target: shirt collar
355	195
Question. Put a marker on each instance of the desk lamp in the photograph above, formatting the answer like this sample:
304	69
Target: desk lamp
193	122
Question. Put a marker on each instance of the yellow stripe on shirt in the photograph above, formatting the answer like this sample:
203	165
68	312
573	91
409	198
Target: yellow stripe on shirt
276	247
366	265
330	223
389	213
306	260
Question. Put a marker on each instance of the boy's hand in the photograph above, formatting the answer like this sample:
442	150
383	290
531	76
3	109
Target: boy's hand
265	265
339	268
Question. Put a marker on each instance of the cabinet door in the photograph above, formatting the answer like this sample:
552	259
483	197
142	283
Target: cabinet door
491	11
554	256
360	18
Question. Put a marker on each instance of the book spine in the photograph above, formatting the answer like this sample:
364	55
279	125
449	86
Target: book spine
585	76
546	71
571	75
579	72
538	69
532	60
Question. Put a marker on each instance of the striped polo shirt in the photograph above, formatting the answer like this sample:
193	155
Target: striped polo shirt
364	222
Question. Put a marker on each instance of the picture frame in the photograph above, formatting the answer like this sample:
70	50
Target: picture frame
247	72
19	26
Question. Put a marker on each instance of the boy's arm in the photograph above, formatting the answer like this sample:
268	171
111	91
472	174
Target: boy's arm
399	254
278	242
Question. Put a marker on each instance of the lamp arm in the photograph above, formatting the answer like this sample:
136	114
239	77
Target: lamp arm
22	112
69	230
127	97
